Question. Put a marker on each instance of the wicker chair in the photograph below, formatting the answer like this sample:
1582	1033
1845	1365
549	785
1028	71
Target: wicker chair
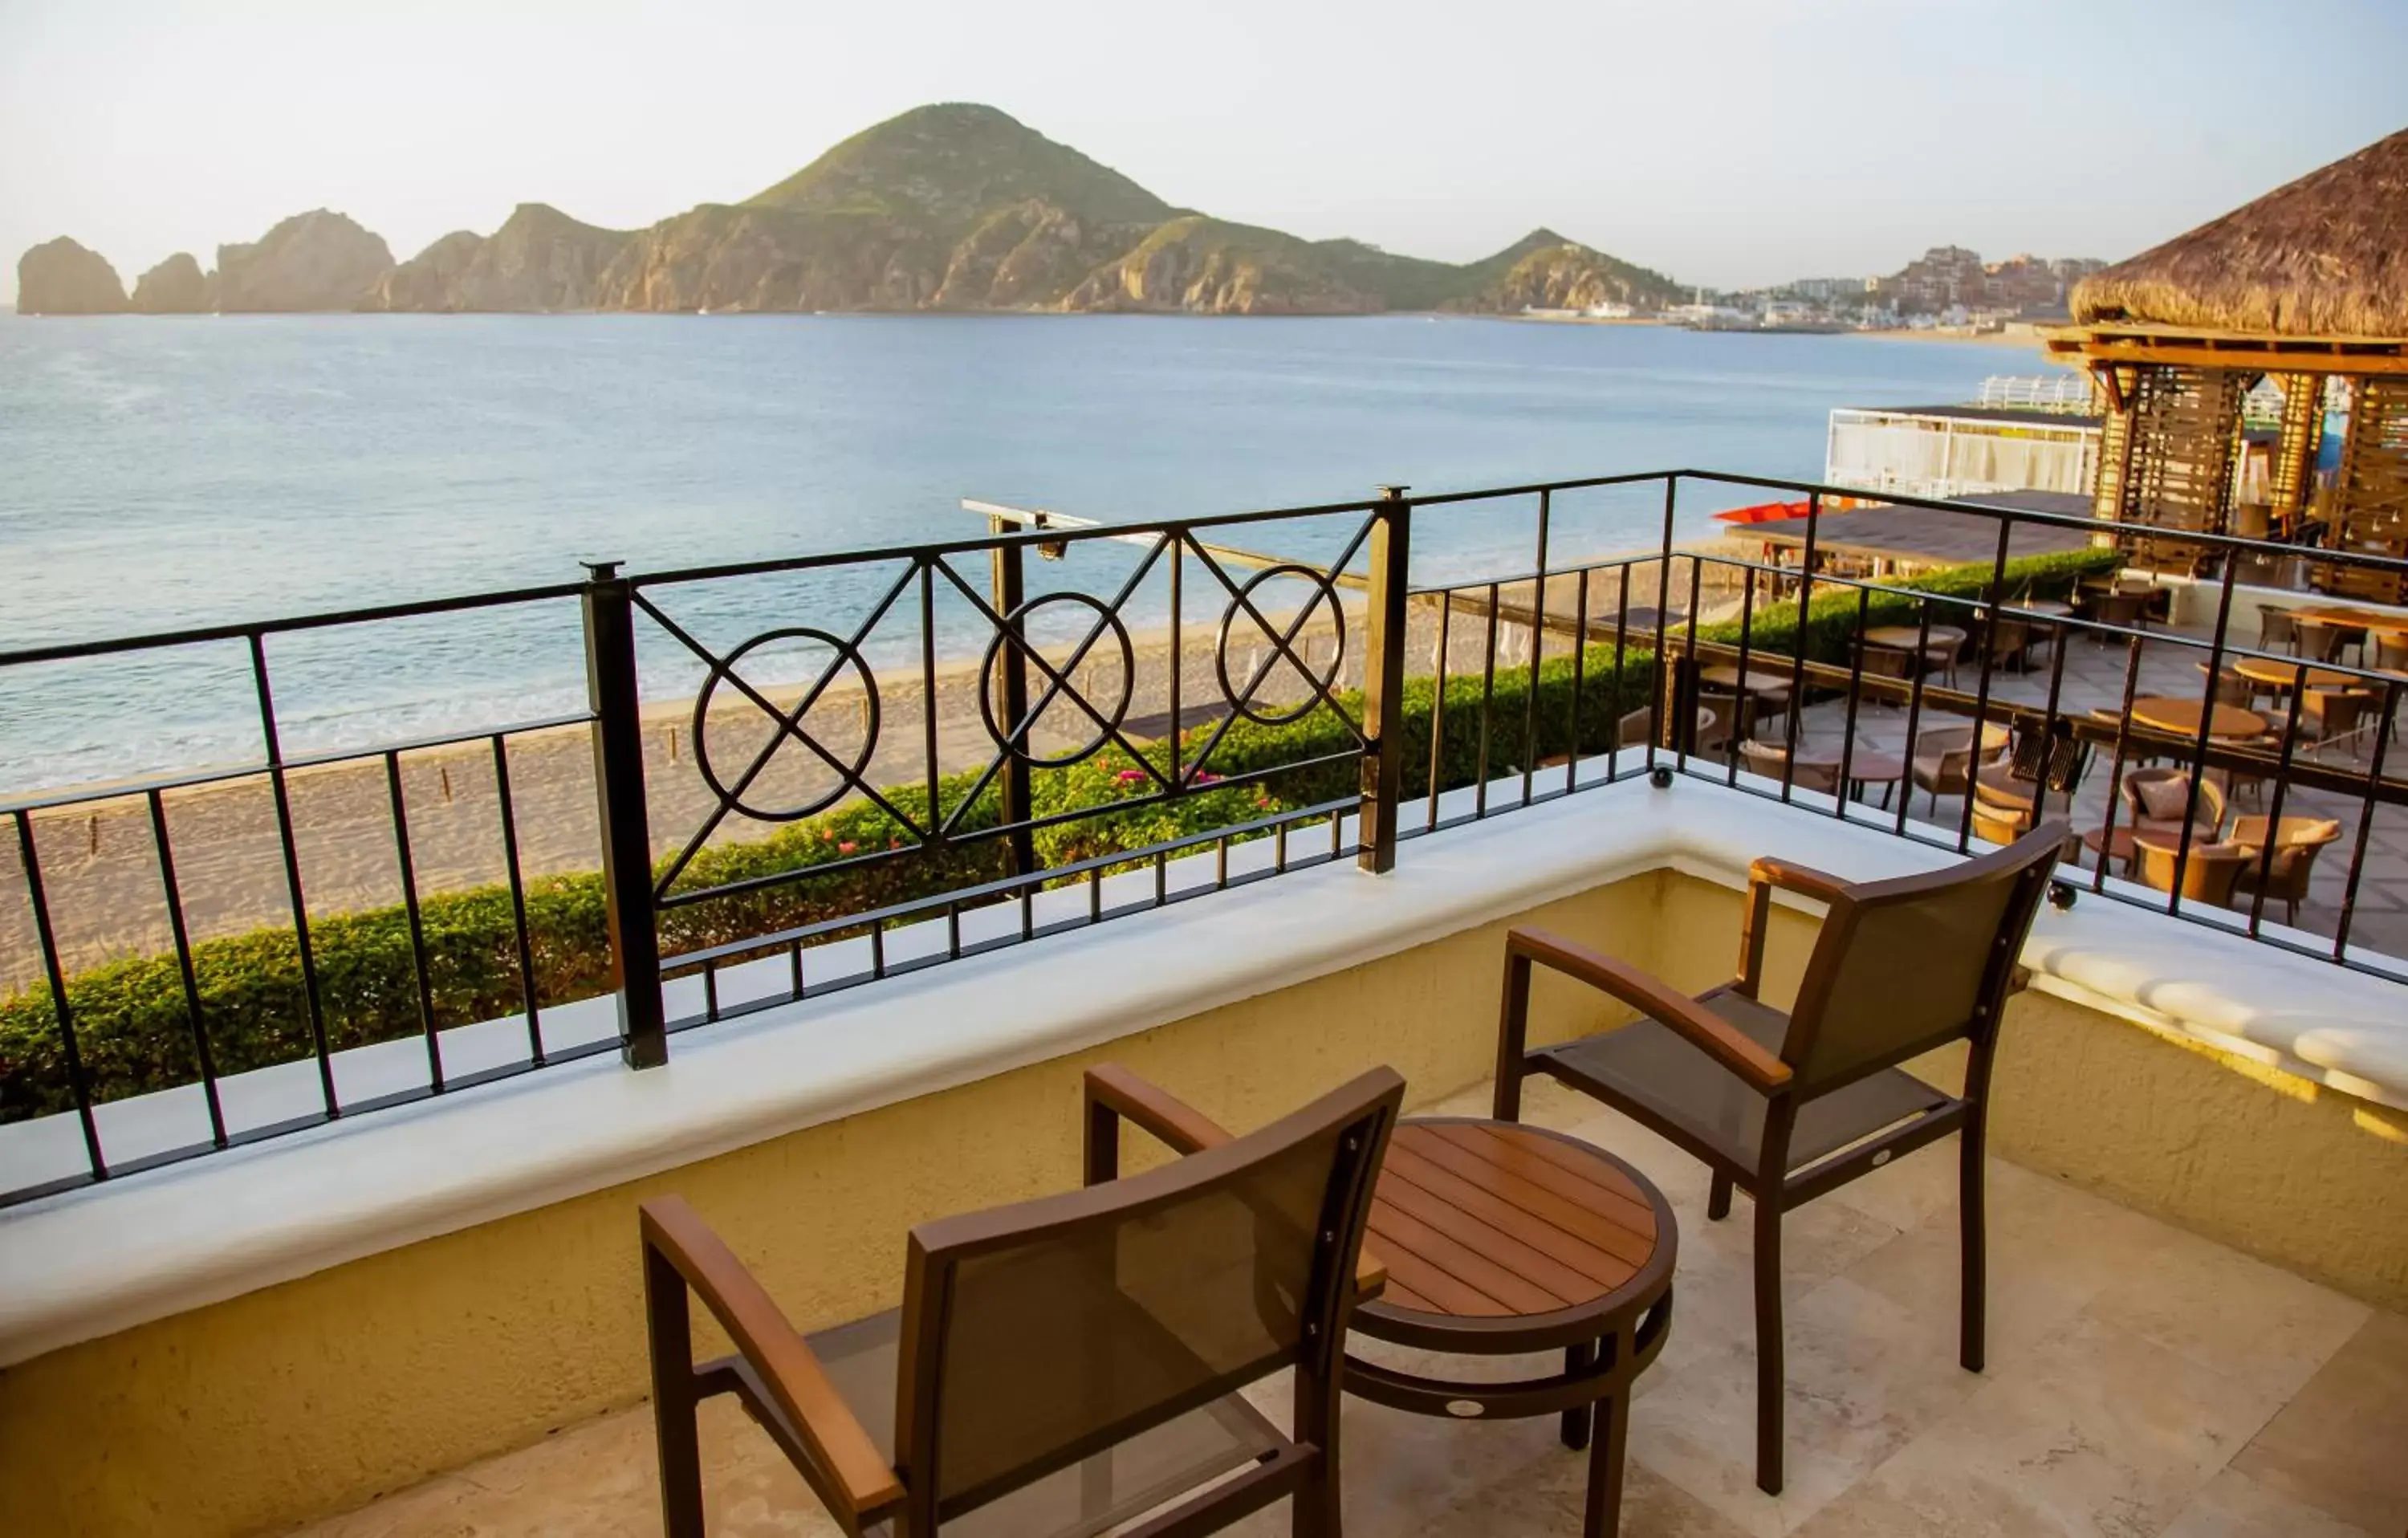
2278	631
2392	652
1942	760
2286	876
1813	774
2209	872
1789	1106
2154	800
1036	1341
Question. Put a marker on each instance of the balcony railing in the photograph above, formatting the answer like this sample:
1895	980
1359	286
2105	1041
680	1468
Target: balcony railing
837	804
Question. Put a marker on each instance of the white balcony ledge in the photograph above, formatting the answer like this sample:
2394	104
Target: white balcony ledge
94	1261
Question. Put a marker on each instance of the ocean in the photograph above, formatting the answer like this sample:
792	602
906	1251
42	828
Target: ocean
162	473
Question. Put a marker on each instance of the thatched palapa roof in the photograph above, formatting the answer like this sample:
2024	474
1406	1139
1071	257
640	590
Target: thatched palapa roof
2326	255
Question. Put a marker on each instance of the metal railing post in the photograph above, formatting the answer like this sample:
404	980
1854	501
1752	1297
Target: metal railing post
1384	682
1010	685
625	823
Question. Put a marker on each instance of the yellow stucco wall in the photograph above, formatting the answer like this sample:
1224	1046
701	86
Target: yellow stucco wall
314	1395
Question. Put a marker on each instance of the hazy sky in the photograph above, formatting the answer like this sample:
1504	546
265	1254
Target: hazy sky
1731	143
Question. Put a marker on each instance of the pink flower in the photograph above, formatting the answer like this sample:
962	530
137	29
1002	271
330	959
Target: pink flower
1204	779
1129	776
847	847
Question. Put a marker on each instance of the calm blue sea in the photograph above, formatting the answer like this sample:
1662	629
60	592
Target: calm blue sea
160	473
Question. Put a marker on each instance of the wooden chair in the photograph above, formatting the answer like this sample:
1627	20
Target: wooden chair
1065	1364
2392	652
1943	761
2297	843
2335	715
1787	1107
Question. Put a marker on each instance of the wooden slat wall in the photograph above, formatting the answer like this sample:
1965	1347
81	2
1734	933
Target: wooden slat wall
2184	426
2295	445
2371	504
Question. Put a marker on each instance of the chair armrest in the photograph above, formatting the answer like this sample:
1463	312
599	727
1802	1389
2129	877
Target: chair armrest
1804	880
1113	1095
852	1473
1113	1089
1709	1033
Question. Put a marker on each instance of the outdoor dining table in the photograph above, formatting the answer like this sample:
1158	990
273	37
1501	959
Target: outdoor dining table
1904	638
2046	607
2280	676
2181	717
2355	619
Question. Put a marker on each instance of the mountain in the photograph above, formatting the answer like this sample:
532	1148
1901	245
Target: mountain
62	278
954	207
313	261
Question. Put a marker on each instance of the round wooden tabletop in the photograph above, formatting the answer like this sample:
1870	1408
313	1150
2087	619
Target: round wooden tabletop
1902	637
2047	607
2169	715
2283	675
1761	681
1494	1232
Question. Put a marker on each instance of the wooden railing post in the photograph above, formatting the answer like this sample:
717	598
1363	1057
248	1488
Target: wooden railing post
1383	681
625	823
1010	685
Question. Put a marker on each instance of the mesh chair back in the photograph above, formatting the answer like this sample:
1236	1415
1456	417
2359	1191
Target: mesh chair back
1038	1335
1903	965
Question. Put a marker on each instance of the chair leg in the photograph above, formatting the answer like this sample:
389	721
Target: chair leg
1973	1224
1718	1199
1313	1510
1769	1386
674	1427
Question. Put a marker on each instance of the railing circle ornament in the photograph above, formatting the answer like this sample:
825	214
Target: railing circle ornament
1016	742
1242	701
789	725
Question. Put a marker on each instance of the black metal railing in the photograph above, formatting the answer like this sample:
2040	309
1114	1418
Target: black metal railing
918	811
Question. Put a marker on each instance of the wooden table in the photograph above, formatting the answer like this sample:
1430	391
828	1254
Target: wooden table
2045	608
2354	619
1904	638
1502	1239
2181	717
2280	676
1761	679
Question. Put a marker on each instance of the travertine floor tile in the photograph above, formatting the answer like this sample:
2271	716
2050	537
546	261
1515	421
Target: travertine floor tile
2341	1443
1863	1377
2096	1430
2249	1321
2233	1506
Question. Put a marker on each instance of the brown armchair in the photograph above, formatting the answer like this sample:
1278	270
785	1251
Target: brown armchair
2210	870
2285	876
1787	1107
1943	762
2156	798
1066	1364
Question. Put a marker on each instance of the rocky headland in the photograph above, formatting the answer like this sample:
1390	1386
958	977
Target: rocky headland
949	208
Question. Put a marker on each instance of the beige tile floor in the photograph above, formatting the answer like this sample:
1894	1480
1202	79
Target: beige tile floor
2142	1381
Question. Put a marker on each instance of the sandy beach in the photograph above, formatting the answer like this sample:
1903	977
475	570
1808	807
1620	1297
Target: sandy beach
100	870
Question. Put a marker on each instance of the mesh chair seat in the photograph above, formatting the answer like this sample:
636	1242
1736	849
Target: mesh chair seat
1125	1480
1648	1065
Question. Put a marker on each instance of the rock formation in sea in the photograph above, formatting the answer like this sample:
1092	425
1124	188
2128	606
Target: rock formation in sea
541	259
315	260
174	287
954	207
62	278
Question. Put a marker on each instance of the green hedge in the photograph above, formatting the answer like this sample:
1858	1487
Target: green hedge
135	1034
